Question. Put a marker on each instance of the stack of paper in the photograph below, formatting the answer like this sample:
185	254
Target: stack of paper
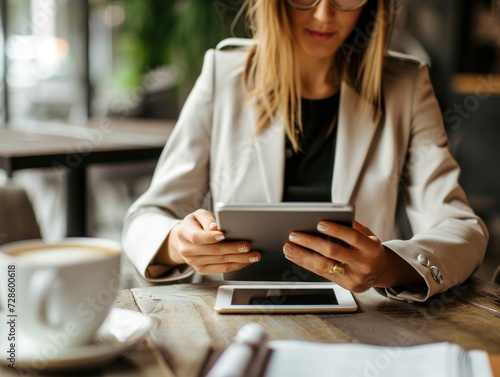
297	358
293	358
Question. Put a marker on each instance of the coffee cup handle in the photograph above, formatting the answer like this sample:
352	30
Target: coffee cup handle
42	283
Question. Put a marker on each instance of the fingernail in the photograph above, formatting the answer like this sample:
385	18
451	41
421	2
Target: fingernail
287	250
322	227
253	259
243	248
213	226
220	237
293	238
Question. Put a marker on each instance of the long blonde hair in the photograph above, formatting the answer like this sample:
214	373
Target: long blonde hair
273	81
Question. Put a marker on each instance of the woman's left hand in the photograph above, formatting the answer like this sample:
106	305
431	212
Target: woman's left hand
363	265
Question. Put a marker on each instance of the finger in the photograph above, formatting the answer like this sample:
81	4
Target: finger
220	259
191	230
328	249
206	219
220	268
217	249
316	263
357	270
322	266
345	233
365	230
312	261
360	262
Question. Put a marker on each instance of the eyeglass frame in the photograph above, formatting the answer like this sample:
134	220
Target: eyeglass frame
332	3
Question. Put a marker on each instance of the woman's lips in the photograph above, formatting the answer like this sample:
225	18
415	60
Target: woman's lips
320	35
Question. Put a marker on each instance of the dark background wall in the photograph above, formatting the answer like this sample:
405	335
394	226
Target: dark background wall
462	40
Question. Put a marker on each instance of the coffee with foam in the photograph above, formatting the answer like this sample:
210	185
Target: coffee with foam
62	291
53	255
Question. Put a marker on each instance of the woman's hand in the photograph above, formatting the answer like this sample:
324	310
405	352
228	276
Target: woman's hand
363	265
197	241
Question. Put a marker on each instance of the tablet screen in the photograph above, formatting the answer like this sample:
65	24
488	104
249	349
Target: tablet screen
284	297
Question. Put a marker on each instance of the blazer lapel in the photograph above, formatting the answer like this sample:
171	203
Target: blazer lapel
270	154
356	129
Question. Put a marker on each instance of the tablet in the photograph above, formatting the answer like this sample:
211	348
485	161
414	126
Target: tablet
267	226
284	298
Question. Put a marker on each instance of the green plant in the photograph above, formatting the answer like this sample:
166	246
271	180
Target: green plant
172	33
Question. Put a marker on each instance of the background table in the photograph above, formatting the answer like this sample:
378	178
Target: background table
71	149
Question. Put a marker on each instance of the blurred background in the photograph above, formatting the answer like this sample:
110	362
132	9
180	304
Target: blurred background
67	62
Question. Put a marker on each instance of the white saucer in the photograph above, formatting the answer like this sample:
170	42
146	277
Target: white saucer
121	330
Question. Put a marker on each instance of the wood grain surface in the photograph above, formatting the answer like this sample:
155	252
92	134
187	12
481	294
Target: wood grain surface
189	333
190	329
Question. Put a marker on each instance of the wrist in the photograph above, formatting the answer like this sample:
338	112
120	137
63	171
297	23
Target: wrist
398	271
169	252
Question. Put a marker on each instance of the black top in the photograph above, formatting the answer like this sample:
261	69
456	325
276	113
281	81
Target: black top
309	172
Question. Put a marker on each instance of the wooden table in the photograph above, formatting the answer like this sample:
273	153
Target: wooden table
189	330
69	150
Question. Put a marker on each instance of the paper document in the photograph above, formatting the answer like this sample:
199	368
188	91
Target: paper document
297	359
294	358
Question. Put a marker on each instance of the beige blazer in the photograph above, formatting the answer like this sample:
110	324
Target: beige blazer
214	151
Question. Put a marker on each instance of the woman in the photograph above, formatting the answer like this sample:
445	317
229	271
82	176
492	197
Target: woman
315	110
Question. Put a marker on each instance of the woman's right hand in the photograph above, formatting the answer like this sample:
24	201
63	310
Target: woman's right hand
196	241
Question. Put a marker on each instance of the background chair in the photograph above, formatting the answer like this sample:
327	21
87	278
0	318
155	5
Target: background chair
17	217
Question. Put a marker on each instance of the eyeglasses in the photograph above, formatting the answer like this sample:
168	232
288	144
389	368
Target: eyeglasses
342	5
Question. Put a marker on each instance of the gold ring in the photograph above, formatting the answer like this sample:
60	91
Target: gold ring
336	269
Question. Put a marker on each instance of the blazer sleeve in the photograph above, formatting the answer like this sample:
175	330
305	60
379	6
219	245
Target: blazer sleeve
449	240
179	185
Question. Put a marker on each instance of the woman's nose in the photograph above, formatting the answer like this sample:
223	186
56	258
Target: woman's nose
324	10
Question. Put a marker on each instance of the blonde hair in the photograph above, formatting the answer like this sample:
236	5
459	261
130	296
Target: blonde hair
273	81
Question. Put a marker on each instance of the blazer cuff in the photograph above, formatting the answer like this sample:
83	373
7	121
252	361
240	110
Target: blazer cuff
403	293
412	292
158	273
142	238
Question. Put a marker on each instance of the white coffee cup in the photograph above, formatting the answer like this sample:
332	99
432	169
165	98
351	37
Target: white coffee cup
56	295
